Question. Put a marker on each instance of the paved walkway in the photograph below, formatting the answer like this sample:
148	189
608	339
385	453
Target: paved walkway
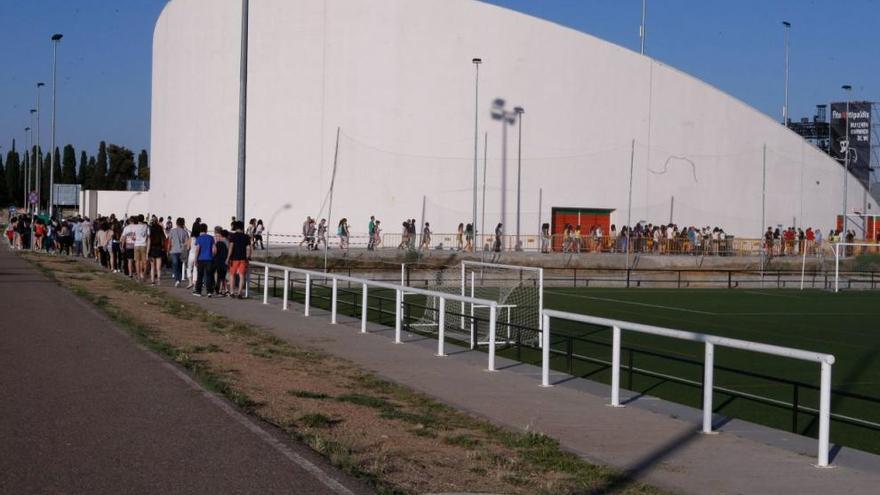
643	438
86	410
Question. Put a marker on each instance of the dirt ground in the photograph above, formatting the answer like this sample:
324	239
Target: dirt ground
403	442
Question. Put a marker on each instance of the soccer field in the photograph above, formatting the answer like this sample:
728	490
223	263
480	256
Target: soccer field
843	324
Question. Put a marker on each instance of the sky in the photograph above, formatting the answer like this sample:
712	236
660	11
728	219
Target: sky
104	59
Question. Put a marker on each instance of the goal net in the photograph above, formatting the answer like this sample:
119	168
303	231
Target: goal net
848	279
517	291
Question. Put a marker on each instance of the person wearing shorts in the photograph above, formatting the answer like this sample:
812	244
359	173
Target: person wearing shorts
240	251
156	251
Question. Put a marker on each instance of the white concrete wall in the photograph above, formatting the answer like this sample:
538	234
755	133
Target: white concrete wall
121	203
396	77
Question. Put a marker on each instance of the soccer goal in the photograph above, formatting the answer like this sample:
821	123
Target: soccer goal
517	290
843	250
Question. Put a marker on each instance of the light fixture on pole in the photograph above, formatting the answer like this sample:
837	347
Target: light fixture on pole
506	118
519	111
844	148
785	111
38	186
56	38
476	62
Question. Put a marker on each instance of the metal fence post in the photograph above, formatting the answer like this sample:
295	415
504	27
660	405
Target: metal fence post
824	413
492	317
286	284
397	298
333	303
708	386
266	285
615	367
364	309
308	296
441	327
545	352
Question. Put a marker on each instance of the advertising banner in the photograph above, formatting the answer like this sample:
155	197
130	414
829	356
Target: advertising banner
859	136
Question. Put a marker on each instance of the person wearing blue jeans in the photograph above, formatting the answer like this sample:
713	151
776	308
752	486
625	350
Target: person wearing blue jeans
177	238
205	251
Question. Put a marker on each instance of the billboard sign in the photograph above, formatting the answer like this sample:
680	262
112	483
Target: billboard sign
859	121
67	194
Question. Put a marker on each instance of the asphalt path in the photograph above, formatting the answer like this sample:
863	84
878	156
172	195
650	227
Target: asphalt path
85	409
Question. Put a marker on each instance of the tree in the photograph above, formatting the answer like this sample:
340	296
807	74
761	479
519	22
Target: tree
99	181
4	195
14	177
68	166
143	170
82	175
121	166
56	167
44	179
91	173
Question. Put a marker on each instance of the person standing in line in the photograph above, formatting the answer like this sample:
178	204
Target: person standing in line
377	235
259	230
322	234
371	231
141	241
191	261
307	237
177	237
240	252
205	250
76	227
221	260
156	250
426	237
101	245
499	231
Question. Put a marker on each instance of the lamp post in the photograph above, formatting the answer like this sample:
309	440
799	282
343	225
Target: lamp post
519	111
27	168
506	118
242	114
844	147
39	153
476	62
785	103
56	38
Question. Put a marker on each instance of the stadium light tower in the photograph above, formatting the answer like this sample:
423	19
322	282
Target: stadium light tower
476	62
785	112
27	168
844	147
39	183
507	118
519	111
56	38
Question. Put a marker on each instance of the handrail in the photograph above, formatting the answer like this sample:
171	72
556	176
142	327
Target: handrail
710	341
399	290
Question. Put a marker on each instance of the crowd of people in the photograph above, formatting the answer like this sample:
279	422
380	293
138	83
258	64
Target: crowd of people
214	261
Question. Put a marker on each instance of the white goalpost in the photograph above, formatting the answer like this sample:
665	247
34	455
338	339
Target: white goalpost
844	250
518	290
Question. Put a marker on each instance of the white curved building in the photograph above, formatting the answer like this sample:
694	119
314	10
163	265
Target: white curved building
396	77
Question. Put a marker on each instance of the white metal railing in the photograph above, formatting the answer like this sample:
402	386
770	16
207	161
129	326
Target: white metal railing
710	341
365	284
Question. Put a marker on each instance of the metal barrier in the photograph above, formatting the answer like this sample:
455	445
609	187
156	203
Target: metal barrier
365	284
710	341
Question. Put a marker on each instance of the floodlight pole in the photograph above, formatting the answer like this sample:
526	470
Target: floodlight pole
27	167
476	62
242	114
39	163
847	88
643	29
56	38
519	114
785	103
632	160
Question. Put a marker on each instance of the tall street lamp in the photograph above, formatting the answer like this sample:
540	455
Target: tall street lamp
242	114
519	111
27	168
643	28
506	118
844	147
39	153
56	38
785	103
476	62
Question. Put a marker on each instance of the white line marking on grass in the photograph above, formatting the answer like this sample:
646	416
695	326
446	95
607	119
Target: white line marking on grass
634	303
